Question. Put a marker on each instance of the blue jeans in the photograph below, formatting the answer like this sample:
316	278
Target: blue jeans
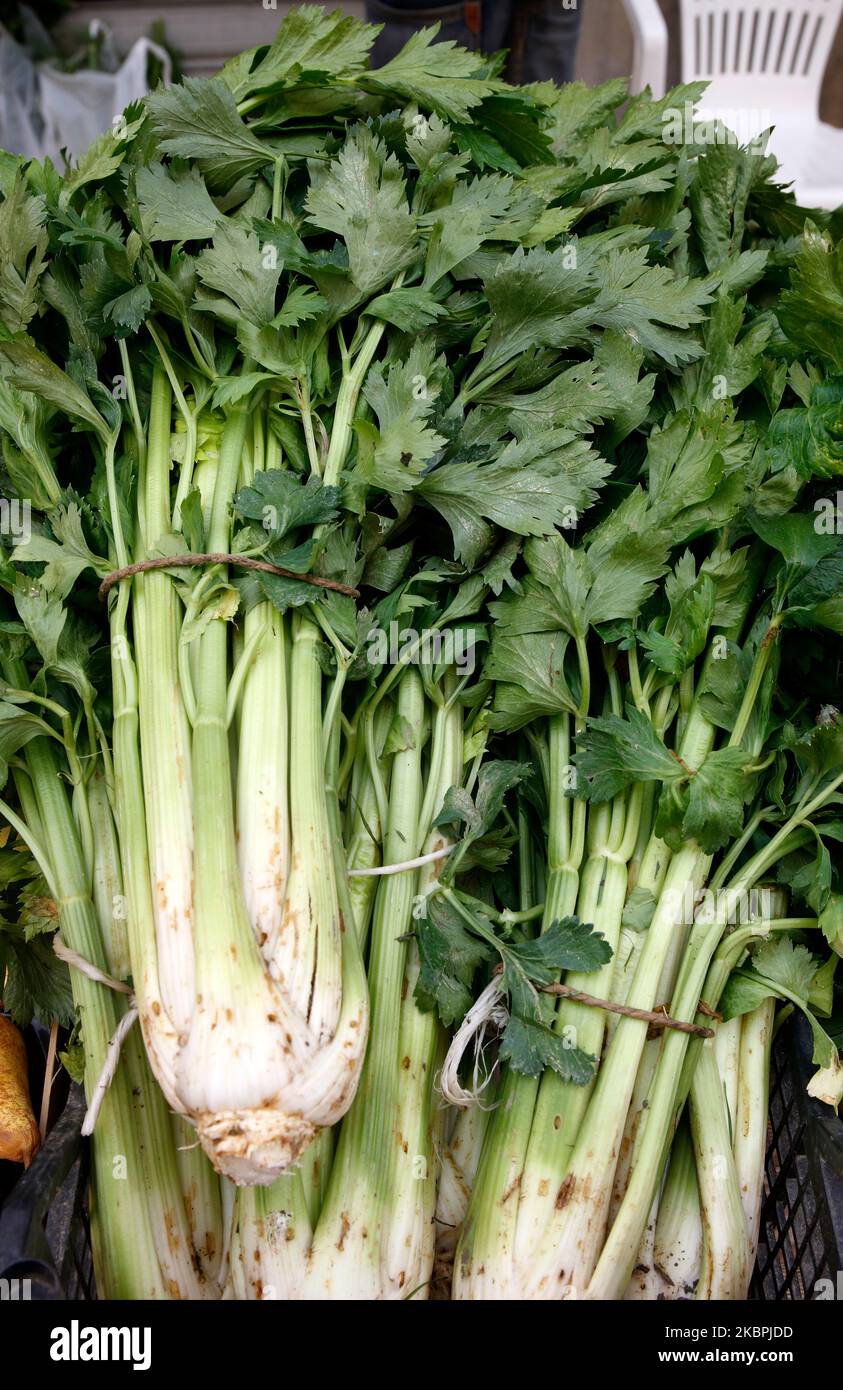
540	34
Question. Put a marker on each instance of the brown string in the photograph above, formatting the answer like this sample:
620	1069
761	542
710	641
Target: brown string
167	562
654	1017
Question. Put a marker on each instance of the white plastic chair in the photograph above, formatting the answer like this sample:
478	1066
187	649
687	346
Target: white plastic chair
764	61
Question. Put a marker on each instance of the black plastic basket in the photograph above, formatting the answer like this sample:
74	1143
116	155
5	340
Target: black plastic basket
45	1238
801	1237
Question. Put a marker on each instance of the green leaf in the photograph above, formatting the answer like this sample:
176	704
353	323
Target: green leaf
615	753
281	502
198	120
686	633
437	76
17	728
811	310
717	794
403	396
809	439
575	109
361	196
237	268
821	992
23	246
308	43
37	983
780	962
102	158
43	615
192	522
485	151
127	311
785	971
30	370
567	944
724	176
449	956
651	304
66	556
619	360
411	309
532	487
817	600
796	539
73	1061
490	207
174	203
479	814
231	389
301	303
573	589
37	910
529	672
517	123
529	1047
830	920
639	908
537	299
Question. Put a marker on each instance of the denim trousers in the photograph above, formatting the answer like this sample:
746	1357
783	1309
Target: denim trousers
541	35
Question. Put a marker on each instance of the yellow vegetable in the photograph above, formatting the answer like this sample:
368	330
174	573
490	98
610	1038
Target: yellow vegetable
19	1136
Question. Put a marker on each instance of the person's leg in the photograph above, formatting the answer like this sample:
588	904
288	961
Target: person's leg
542	37
544	40
401	18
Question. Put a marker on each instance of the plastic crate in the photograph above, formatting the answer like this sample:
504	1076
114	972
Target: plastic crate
45	1237
44	1234
801	1236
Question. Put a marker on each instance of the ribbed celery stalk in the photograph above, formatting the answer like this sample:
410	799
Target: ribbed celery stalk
460	1157
702	975
677	1250
241	1039
561	1105
725	1269
750	1131
126	1258
485	1262
571	1244
182	1188
164	733
727	1042
572	1239
263	742
364	831
645	1281
257	1066
374	1239
420	1112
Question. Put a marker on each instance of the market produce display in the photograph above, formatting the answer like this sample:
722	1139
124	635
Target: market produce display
422	592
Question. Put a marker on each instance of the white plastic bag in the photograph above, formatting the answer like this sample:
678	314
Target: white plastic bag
44	110
21	126
79	106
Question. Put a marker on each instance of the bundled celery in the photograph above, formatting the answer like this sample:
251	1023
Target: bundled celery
454	456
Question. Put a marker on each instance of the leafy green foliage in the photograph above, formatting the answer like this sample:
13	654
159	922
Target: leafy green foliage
454	939
506	359
786	971
198	120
